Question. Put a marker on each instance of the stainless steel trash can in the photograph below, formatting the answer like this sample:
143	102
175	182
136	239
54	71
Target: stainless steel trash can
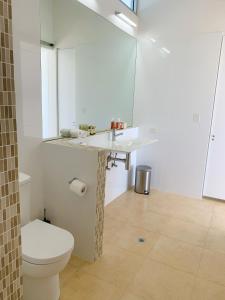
143	180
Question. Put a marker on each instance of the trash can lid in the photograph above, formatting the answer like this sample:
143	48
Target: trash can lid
144	168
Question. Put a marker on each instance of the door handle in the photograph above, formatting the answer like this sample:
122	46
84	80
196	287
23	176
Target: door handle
213	137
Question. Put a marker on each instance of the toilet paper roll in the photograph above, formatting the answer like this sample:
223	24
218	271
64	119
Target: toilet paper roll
78	187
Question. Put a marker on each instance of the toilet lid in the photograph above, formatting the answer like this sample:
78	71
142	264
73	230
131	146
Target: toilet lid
43	243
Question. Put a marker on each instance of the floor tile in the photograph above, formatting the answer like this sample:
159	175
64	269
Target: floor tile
111	227
177	254
216	202
206	290
216	240
116	212
218	219
66	275
116	266
161	282
212	267
130	296
186	232
77	263
66	293
198	214
128	238
151	221
192	202
88	287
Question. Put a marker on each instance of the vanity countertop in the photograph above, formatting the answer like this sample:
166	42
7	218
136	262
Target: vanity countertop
123	146
129	142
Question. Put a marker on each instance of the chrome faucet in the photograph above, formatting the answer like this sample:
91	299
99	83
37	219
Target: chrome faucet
115	135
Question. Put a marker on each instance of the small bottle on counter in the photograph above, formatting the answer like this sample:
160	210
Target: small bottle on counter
113	124
121	125
92	129
118	123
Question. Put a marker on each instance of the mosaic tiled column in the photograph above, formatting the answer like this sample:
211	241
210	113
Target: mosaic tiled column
10	241
101	178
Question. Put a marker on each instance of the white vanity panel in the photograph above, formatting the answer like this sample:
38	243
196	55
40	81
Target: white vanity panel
64	208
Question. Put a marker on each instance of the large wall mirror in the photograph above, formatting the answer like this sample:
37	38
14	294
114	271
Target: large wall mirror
88	68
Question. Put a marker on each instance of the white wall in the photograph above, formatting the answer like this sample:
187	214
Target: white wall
26	32
176	85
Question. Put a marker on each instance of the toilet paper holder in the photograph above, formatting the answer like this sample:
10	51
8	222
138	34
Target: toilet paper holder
78	187
72	180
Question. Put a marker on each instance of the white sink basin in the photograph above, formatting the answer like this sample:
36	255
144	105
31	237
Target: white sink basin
126	143
130	145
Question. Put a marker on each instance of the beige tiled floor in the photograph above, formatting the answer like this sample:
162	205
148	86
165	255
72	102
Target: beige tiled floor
183	257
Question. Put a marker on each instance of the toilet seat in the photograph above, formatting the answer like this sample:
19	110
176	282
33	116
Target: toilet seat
44	244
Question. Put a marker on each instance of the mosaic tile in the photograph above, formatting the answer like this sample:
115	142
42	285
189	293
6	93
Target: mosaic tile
101	178
10	240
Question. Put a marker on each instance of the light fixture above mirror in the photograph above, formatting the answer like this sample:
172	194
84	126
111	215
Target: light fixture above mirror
124	18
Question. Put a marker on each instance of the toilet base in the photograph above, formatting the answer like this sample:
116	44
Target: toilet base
46	288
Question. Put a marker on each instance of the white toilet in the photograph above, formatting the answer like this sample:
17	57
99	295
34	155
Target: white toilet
46	250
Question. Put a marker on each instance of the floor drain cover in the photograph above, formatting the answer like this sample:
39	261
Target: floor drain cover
141	240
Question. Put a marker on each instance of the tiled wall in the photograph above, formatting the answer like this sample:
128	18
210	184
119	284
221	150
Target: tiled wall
10	241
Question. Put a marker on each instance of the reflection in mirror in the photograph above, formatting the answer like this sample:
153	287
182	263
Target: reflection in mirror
88	68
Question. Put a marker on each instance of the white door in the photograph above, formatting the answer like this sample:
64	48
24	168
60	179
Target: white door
215	170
